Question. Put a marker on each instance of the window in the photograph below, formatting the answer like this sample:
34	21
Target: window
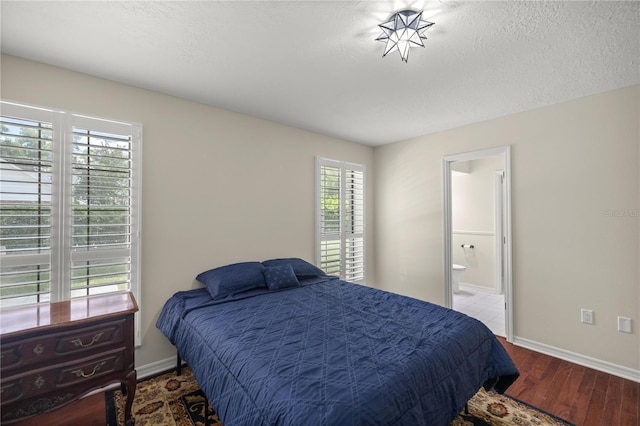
340	218
69	205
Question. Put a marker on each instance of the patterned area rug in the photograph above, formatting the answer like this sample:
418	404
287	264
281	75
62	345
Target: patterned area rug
163	400
177	400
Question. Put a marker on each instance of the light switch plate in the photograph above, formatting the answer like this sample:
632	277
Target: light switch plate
624	324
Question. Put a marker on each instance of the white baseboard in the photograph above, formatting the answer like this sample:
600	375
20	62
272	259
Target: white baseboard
155	368
473	287
142	372
576	358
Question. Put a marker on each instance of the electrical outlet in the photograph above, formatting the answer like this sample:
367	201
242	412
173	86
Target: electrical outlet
586	316
624	324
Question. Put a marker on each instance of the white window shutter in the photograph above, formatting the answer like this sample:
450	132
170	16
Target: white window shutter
101	205
29	204
340	219
69	205
330	251
354	224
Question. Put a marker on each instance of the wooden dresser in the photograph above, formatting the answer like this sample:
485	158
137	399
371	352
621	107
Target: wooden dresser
54	353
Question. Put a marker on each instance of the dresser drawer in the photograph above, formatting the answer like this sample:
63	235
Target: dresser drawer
73	374
54	353
87	338
91	368
51	346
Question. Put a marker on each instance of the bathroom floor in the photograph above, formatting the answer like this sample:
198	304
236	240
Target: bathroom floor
486	307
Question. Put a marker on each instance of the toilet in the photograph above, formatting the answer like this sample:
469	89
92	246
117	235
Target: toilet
456	274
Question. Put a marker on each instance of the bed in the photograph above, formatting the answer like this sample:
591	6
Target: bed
281	343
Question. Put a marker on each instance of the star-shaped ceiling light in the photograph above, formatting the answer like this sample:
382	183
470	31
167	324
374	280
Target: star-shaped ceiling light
403	31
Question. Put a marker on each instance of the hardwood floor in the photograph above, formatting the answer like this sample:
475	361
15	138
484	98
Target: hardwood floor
89	411
575	393
578	394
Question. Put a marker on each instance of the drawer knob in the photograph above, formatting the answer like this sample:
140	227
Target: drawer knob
38	350
78	342
80	373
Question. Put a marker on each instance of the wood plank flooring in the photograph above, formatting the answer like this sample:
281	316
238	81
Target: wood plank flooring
575	393
89	411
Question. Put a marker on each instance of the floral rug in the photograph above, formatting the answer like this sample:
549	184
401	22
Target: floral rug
493	409
167	399
178	401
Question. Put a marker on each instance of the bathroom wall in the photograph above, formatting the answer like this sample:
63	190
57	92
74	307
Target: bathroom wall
473	222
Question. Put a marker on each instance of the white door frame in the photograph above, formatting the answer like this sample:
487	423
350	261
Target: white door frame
505	153
499	230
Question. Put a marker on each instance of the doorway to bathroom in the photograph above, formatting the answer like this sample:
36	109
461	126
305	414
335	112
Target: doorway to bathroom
478	236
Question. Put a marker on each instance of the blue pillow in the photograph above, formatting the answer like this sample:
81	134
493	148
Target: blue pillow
301	268
232	279
278	277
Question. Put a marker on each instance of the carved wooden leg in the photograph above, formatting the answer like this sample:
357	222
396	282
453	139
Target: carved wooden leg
130	383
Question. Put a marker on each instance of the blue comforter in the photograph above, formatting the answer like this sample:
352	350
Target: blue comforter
333	353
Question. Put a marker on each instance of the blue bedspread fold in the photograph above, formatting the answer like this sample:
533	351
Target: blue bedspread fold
333	353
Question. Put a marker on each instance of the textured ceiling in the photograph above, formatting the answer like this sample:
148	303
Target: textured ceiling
315	64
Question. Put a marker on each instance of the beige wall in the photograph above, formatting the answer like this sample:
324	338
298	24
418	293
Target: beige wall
218	187
473	221
575	201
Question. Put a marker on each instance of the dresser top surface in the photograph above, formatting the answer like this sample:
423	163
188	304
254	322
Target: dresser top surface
25	318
